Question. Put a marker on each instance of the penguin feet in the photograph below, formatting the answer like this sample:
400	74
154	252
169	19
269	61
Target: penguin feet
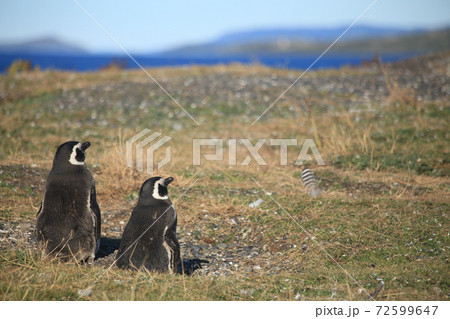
90	262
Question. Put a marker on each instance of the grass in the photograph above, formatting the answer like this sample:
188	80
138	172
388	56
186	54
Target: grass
51	281
383	214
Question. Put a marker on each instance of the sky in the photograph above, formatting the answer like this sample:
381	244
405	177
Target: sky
151	26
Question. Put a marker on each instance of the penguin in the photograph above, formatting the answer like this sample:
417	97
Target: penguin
149	239
68	222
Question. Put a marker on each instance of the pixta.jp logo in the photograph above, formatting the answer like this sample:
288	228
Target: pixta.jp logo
148	142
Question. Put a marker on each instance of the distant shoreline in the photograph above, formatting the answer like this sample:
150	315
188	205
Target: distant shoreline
95	62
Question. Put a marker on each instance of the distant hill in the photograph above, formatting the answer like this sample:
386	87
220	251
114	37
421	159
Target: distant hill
47	45
420	42
310	34
358	40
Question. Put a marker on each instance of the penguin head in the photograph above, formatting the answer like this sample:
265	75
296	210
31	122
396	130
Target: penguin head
154	188
71	153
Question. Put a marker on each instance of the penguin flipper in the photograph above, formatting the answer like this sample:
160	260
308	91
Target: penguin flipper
170	238
190	265
40	210
95	209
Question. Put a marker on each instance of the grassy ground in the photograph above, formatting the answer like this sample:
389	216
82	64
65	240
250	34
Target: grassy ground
382	216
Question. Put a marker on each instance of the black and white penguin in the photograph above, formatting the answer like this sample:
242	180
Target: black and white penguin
149	239
68	222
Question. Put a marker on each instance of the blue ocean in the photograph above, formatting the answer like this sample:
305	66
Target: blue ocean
94	62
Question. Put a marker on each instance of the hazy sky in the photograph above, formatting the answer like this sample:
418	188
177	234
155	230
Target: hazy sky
147	26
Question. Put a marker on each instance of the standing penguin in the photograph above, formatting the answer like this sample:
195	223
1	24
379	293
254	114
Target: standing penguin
68	222
149	239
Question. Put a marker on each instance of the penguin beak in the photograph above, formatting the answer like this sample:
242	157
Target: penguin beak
167	181
85	145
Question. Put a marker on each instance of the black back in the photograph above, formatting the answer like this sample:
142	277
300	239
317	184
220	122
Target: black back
68	223
149	239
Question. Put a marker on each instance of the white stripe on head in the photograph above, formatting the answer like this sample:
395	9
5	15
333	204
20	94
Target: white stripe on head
156	189
73	155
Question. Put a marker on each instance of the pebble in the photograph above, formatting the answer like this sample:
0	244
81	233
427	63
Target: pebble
84	292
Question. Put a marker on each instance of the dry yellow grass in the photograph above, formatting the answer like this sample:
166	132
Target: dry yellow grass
380	206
